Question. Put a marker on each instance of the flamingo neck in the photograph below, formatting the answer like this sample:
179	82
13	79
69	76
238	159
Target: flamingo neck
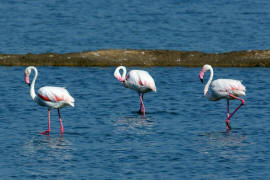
124	73
32	87
209	81
118	75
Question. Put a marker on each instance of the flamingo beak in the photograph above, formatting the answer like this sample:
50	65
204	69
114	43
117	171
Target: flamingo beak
123	80
120	79
201	75
26	79
201	80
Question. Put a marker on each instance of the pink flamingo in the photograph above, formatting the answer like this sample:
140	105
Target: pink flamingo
52	97
137	80
223	89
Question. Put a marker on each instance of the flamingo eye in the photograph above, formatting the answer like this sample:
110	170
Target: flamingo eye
27	72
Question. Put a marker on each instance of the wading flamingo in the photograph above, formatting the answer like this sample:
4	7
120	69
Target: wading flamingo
49	96
223	89
138	80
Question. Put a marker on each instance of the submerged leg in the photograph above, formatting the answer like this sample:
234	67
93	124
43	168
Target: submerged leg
49	124
61	124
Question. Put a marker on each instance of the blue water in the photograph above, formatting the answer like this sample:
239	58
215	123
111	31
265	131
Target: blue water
63	26
182	136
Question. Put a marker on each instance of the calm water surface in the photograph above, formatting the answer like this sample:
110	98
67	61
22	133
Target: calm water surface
182	135
63	26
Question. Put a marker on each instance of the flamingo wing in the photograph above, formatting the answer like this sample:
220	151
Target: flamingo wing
224	87
55	94
142	79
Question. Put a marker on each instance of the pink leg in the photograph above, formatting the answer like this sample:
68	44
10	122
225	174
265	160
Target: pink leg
228	127
142	105
228	108
61	124
242	103
49	124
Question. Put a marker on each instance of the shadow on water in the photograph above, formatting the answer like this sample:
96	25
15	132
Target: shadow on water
48	147
225	148
53	156
138	124
157	112
225	138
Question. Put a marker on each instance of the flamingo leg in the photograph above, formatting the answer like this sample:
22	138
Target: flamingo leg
236	109
49	125
143	105
141	97
228	108
228	126
140	110
61	124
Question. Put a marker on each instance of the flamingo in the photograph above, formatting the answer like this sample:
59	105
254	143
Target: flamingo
223	89
138	80
49	96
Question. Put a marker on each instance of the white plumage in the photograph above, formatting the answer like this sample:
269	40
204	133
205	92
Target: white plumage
54	97
138	80
221	88
229	89
49	96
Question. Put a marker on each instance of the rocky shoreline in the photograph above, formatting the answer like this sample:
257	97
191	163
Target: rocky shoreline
147	58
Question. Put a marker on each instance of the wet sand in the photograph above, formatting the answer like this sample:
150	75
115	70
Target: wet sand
127	57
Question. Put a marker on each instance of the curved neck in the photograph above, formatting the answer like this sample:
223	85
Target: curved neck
32	87
209	81
118	74
124	72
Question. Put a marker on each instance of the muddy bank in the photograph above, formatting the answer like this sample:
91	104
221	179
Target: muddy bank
253	58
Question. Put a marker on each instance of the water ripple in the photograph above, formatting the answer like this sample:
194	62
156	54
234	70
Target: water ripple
105	137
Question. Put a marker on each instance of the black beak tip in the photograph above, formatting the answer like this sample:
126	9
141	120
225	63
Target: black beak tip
201	80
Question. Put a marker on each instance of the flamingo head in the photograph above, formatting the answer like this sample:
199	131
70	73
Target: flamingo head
117	74
119	78
27	73
201	75
205	68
